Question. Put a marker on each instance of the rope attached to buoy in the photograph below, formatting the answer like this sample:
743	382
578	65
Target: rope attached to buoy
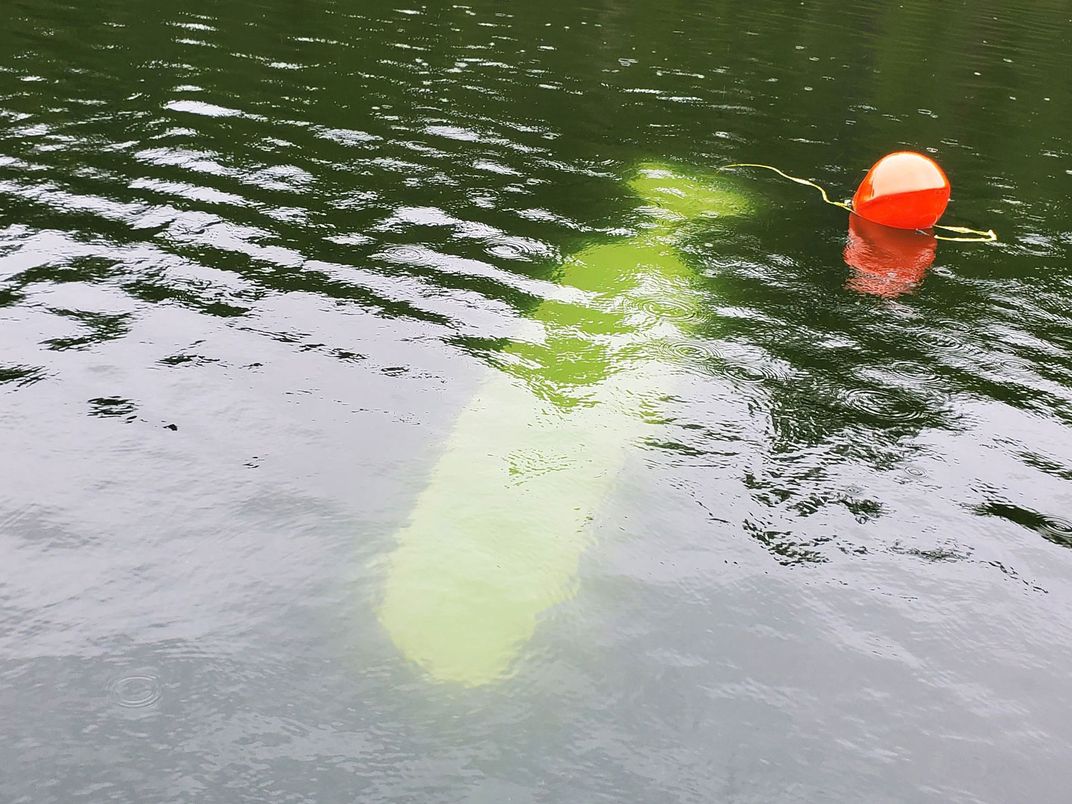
975	235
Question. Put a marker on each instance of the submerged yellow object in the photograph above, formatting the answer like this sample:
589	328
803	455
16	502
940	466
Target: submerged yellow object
496	536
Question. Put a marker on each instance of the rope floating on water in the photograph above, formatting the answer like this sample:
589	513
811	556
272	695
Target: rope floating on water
974	235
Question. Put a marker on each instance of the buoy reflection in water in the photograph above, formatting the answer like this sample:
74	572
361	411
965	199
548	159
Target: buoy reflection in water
886	261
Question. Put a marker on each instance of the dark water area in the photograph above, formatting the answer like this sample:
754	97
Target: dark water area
276	278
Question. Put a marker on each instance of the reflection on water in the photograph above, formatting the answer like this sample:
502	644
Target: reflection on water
313	313
887	262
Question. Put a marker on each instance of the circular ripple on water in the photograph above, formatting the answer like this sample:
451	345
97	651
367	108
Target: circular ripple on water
1058	529
689	352
890	406
754	373
136	691
939	340
911	371
680	311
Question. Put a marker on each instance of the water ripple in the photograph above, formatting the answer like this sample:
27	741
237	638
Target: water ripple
258	258
136	691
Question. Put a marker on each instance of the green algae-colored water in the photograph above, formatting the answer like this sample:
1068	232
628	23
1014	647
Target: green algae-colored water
496	537
399	404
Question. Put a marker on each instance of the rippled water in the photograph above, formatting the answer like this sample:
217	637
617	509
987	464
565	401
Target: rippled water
377	427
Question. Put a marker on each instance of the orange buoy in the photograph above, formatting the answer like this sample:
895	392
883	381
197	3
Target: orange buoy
904	190
885	261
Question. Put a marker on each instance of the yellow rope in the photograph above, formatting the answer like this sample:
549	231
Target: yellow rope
977	236
785	175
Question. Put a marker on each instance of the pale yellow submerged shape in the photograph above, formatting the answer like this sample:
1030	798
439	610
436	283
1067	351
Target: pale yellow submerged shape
495	538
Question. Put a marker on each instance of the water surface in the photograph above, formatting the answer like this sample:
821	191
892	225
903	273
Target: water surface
260	262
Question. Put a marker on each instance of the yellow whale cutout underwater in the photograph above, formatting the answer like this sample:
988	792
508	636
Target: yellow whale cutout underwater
495	538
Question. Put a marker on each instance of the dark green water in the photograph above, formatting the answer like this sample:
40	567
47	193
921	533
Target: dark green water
261	262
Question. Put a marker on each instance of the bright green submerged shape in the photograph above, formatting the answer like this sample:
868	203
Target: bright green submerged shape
495	538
